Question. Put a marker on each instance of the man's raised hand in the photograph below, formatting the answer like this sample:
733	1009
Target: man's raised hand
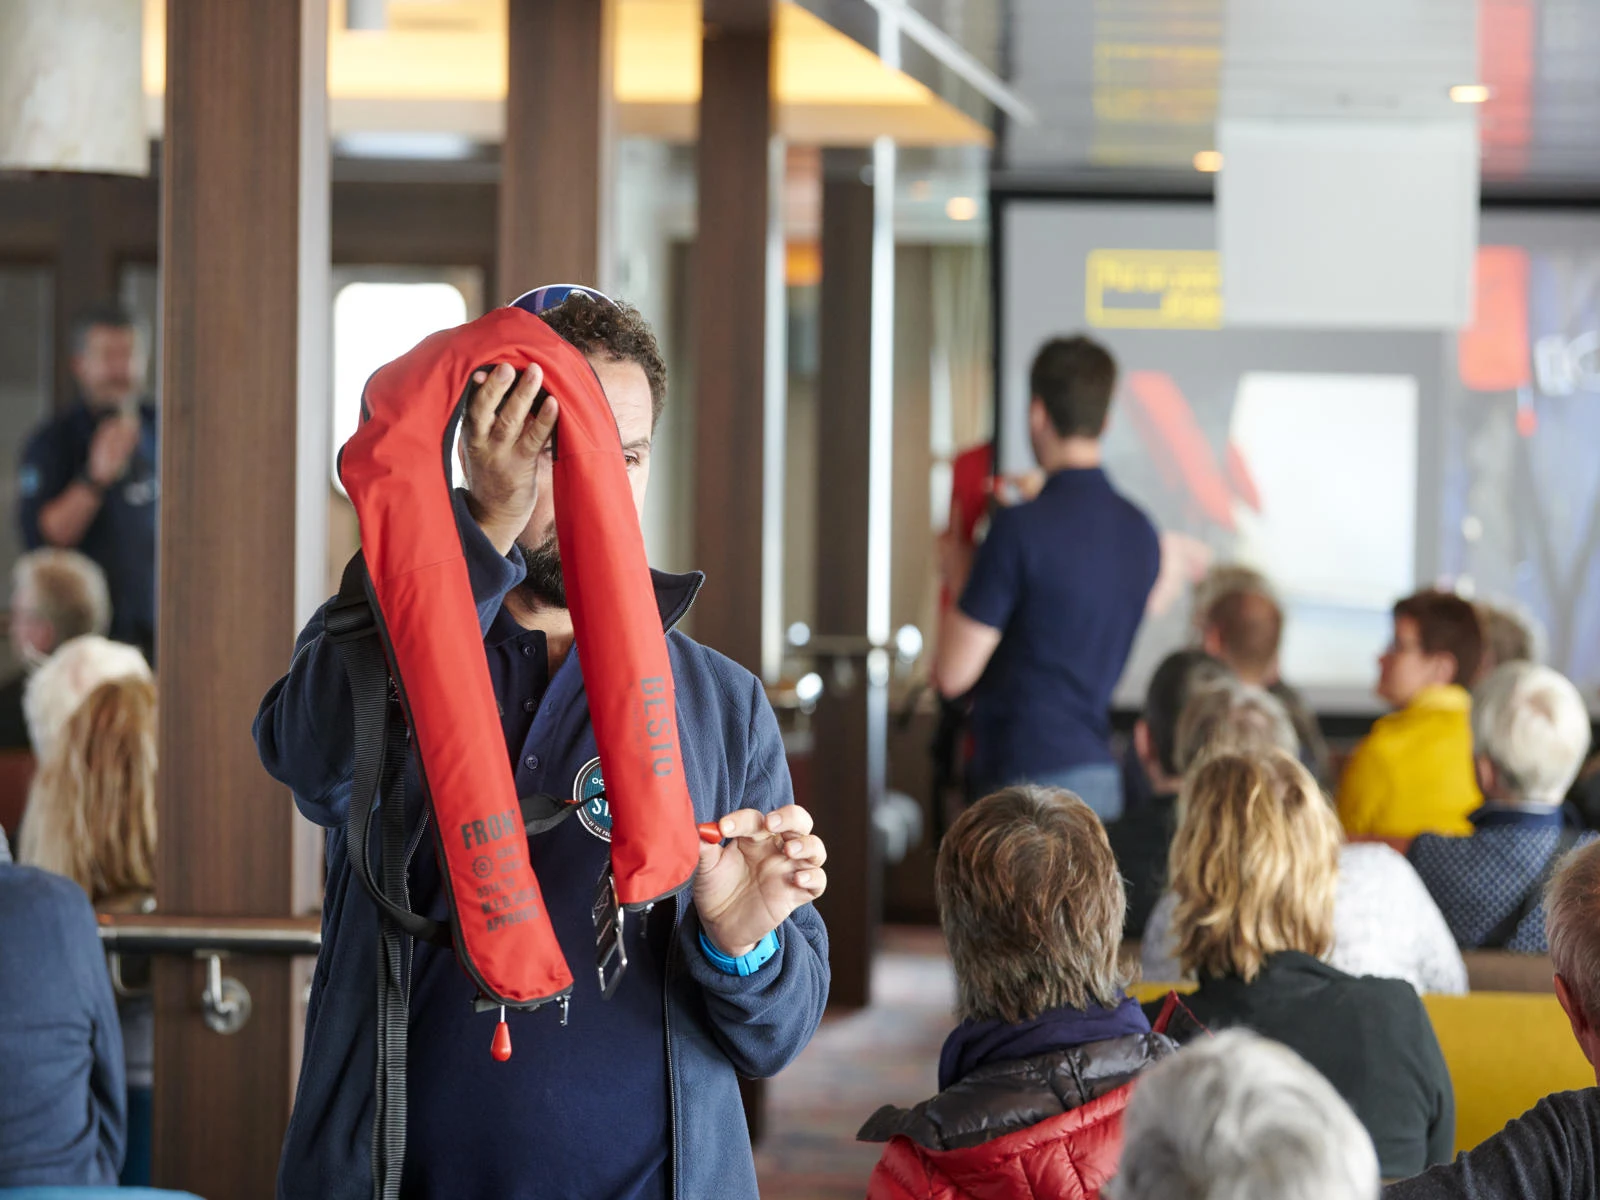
770	864
500	448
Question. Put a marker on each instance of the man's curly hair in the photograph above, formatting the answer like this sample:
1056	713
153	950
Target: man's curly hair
616	332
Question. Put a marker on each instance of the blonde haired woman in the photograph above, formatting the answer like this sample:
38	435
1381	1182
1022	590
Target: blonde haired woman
91	817
91	812
1254	869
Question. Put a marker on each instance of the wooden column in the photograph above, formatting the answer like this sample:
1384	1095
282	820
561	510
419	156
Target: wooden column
554	160
730	306
230	247
841	797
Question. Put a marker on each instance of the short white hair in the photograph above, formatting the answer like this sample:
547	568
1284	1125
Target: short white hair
1236	1117
1531	723
66	678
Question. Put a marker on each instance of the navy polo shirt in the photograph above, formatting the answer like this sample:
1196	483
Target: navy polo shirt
1064	578
592	1097
122	536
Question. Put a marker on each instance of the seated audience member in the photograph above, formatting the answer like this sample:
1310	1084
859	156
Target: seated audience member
1384	921
1238	1117
1530	732
1141	837
1254	867
56	595
91	817
1413	773
1034	1079
1217	582
62	1103
1585	794
1552	1151
1507	637
1244	628
62	682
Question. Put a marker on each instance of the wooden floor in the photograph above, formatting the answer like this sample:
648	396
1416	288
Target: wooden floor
885	1054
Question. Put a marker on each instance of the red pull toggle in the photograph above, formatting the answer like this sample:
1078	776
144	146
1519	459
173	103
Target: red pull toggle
500	1048
710	832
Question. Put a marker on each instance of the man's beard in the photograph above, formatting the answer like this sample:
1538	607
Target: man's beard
544	583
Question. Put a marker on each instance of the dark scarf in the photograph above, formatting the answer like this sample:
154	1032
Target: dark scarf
973	1044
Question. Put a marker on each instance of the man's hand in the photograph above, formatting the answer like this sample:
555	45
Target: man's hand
500	448
769	866
112	447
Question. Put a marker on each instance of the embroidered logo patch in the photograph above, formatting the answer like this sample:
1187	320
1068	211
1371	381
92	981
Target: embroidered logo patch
589	791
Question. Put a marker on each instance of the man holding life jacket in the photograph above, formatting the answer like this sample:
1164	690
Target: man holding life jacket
636	1097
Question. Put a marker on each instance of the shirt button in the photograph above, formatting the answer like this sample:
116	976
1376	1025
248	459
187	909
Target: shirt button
527	650
532	762
528	706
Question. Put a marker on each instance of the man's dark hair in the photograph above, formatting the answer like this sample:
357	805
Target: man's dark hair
1179	676
109	315
1073	378
617	332
1249	626
1447	624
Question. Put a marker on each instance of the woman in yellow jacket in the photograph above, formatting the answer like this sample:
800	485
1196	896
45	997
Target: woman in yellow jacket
1413	773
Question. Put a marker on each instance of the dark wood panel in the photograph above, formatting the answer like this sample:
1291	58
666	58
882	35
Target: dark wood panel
729	304
443	224
87	226
558	98
222	1100
839	795
229	242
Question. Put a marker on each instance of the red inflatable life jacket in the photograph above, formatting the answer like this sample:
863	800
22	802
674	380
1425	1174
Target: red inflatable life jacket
396	469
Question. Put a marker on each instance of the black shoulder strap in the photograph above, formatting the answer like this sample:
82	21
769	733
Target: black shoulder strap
1500	936
380	739
378	781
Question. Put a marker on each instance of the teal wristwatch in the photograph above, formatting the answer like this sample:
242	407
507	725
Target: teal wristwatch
747	965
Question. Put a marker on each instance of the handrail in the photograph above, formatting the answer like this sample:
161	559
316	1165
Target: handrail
158	933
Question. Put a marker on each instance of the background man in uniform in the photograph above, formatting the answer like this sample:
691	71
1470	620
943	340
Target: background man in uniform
88	477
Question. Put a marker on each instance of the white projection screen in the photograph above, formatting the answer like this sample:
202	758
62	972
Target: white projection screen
1350	465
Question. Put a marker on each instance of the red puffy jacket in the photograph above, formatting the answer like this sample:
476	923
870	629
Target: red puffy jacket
1043	1128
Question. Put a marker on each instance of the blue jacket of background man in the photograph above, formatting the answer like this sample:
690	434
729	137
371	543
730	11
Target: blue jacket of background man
718	1026
122	536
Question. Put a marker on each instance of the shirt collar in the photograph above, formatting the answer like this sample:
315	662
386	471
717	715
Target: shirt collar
1504	816
674	597
1448	697
1067	476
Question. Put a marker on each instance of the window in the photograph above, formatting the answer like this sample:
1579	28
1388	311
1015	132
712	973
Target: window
374	322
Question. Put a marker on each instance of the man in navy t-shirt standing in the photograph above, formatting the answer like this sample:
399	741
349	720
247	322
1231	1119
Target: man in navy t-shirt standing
1053	599
88	477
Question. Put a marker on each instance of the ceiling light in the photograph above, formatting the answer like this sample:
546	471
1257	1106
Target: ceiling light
1209	161
1469	93
961	208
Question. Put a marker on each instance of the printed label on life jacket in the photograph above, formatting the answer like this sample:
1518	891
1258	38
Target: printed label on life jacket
660	738
501	902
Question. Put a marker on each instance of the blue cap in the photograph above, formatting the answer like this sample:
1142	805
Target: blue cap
552	294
